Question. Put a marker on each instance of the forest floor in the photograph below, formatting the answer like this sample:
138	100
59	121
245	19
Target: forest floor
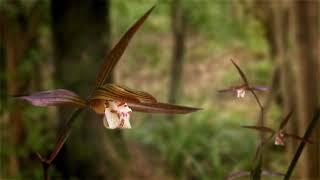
145	164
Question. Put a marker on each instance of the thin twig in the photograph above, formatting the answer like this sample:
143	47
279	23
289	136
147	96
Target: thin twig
307	134
256	171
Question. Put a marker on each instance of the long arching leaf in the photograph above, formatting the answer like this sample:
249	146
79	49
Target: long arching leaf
115	54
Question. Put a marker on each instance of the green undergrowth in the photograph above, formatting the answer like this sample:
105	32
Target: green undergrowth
202	145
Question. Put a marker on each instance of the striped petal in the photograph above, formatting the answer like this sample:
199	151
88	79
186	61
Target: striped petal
260	88
54	98
137	100
243	76
298	138
112	92
161	108
115	54
260	128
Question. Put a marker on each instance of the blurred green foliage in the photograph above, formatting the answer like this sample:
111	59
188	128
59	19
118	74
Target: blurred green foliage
203	145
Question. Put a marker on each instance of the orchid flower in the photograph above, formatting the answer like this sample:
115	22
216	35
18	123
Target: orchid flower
114	102
240	90
280	134
117	115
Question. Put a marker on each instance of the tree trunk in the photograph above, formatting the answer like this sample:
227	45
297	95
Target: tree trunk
178	23
283	54
81	31
16	33
13	56
307	46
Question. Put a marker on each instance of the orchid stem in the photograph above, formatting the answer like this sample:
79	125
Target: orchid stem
307	134
45	167
46	163
256	171
261	117
64	134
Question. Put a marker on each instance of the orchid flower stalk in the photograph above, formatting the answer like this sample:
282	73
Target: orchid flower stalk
279	135
115	102
240	90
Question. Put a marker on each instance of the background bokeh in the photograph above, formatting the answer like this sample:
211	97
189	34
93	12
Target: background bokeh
55	44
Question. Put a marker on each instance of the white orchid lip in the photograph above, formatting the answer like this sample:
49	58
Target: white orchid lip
279	139
117	115
241	92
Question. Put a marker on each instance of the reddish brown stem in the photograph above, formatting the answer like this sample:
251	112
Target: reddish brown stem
46	163
45	167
